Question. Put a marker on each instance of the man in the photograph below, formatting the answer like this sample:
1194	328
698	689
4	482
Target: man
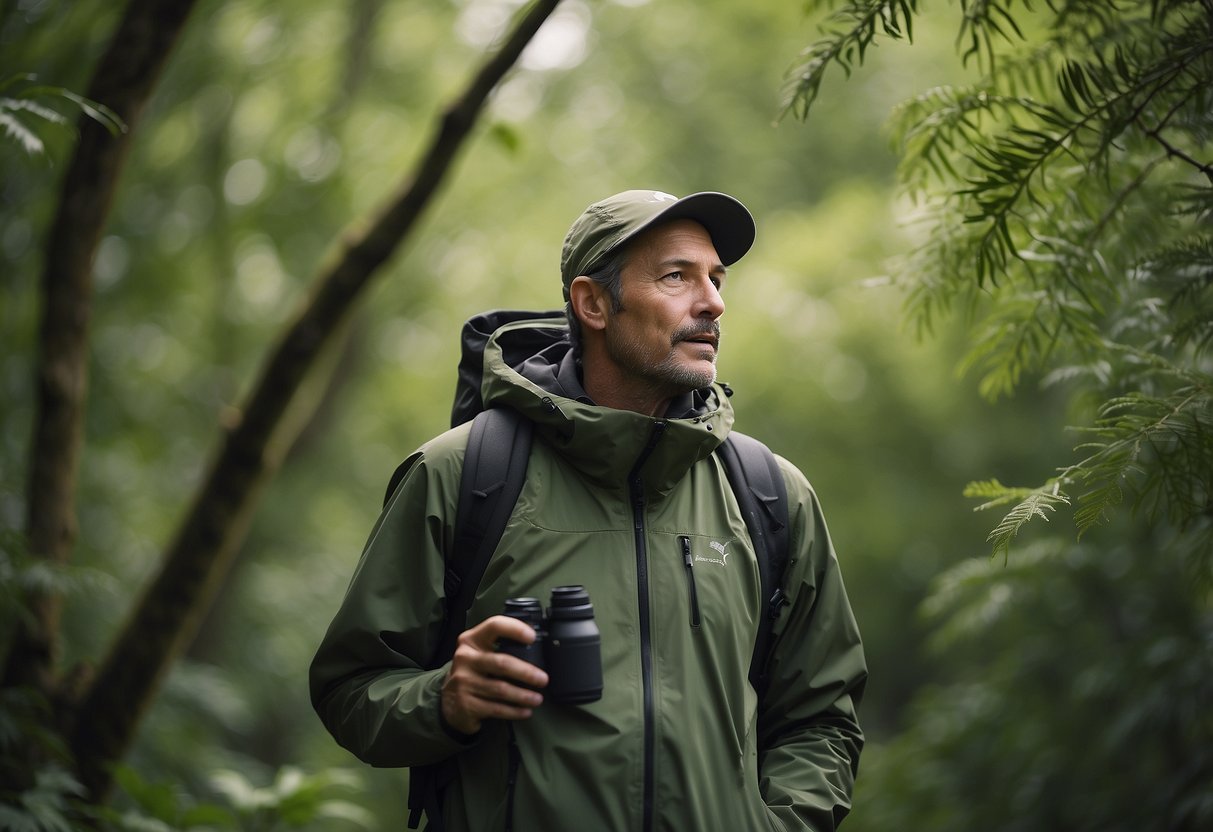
625	496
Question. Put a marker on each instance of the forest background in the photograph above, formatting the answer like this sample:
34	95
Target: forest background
1057	685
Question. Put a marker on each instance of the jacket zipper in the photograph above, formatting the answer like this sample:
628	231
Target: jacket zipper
636	492
689	562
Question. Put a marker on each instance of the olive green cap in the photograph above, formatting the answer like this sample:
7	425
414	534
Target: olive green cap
609	223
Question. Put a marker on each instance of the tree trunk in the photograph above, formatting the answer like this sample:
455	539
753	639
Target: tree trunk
164	619
123	81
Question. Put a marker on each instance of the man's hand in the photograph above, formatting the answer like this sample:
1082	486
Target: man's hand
484	684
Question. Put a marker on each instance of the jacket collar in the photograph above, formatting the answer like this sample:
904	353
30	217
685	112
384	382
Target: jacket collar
603	443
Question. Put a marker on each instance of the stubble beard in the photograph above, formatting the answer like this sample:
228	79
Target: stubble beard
668	376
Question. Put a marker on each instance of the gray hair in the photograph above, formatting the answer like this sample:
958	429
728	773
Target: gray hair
610	277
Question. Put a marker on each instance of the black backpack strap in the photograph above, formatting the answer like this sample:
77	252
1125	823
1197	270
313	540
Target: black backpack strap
758	485
494	469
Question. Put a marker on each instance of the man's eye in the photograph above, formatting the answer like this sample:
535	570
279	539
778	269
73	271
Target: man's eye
673	276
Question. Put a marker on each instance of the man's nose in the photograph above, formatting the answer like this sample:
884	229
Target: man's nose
709	304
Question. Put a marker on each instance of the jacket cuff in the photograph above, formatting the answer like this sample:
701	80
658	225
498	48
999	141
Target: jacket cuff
453	732
434	694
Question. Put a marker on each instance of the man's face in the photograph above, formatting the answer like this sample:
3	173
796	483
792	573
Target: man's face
665	336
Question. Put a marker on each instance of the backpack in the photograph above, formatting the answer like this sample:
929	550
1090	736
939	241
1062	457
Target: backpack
494	470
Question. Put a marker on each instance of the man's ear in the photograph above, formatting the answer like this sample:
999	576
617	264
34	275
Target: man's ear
590	301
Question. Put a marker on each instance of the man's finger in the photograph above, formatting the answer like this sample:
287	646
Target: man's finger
487	633
475	671
504	692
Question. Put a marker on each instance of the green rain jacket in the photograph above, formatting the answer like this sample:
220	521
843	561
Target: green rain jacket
679	739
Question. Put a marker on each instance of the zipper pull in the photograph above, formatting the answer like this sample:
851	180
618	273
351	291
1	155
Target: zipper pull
689	562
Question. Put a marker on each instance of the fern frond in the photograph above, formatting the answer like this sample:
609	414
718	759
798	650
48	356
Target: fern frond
21	96
16	130
851	30
973	596
15	105
1005	172
933	289
994	492
1039	503
1097	372
1065	200
1183	271
1094	505
983	22
931	128
1104	96
1022	333
1159	447
1005	347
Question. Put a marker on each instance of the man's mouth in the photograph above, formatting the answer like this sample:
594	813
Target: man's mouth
708	337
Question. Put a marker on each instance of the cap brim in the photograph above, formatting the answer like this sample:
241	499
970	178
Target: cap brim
727	221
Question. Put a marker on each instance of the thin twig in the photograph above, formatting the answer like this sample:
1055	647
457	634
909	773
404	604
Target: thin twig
1175	153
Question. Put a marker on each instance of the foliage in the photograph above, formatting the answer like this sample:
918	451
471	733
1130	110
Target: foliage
1066	209
1062	208
852	31
51	802
21	575
1107	728
22	100
47	806
263	141
293	801
40	801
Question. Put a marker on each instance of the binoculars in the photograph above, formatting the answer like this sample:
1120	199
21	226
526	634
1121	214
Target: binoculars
567	644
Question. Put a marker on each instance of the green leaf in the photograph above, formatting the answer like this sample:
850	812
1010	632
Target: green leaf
1038	504
1094	506
46	113
21	134
23	96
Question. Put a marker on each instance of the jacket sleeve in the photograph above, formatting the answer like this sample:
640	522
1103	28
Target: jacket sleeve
809	735
368	679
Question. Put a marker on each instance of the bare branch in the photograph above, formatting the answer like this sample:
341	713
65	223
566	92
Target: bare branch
1175	153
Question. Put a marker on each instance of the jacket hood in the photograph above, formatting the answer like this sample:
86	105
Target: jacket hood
528	365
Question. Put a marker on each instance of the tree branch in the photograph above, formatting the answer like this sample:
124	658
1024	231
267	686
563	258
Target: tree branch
123	81
165	618
1174	152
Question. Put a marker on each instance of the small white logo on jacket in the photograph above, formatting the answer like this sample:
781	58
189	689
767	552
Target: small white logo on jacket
723	560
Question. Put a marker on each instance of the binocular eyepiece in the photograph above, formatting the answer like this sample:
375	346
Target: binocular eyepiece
567	643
